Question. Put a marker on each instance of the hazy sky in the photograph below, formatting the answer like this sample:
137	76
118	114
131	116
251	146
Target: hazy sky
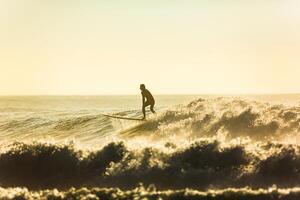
110	47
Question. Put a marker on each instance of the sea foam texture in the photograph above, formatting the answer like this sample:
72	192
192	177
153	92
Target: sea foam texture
209	144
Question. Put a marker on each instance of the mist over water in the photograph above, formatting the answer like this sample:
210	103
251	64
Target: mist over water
197	142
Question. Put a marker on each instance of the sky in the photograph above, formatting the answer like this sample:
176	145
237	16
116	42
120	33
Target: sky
64	47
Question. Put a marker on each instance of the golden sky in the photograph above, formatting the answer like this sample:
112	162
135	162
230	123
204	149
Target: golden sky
84	47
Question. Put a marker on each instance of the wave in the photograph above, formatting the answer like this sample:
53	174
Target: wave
232	117
151	193
202	164
85	128
213	143
227	117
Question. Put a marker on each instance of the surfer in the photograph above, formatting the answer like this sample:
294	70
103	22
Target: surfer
148	100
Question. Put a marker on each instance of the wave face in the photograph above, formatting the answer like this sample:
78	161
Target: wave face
86	127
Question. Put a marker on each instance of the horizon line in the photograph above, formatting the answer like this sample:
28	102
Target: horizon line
158	94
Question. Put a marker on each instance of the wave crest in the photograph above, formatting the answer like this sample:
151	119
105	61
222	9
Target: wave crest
230	116
151	193
201	164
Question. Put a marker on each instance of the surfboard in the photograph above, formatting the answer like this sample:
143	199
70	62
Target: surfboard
121	117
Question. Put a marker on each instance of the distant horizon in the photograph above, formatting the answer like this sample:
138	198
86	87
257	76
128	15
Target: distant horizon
159	94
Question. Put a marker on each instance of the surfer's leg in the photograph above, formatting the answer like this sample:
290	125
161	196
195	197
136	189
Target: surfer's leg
144	109
151	108
144	112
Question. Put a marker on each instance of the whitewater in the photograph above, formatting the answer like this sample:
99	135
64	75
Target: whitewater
217	146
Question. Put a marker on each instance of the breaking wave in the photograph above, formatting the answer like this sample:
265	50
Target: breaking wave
226	117
151	193
207	145
202	164
232	117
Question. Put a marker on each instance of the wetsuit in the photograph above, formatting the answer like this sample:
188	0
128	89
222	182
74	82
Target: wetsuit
149	101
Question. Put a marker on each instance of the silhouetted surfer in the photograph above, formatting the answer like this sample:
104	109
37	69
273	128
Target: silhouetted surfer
148	100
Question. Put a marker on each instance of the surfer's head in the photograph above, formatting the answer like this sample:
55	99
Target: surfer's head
142	87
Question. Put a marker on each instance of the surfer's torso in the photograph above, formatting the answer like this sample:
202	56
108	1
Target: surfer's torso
146	94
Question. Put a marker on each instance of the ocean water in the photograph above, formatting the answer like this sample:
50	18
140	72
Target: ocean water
72	118
220	147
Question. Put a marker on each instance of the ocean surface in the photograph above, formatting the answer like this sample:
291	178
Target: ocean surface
72	118
217	146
